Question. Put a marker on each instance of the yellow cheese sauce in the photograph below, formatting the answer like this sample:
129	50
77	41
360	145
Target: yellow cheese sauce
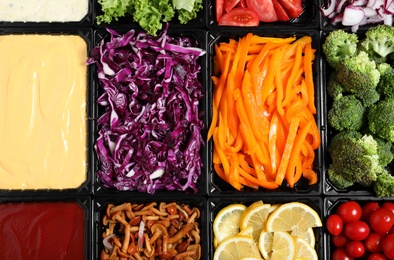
43	10
43	89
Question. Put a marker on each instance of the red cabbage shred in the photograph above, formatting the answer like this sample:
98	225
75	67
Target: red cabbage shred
149	136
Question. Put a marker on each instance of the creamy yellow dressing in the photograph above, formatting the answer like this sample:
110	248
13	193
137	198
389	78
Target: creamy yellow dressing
43	10
43	89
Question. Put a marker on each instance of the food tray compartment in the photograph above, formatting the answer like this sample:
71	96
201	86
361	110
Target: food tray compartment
200	36
330	206
328	188
87	185
217	186
127	22
215	204
101	205
86	21
25	217
307	19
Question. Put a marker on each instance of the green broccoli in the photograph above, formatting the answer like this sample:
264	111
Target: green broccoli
358	73
337	179
378	42
368	97
338	45
381	119
346	113
384	185
385	151
386	84
334	88
354	158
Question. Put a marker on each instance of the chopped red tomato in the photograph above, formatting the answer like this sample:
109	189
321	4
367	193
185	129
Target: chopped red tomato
219	7
293	7
280	11
264	9
230	4
240	17
242	3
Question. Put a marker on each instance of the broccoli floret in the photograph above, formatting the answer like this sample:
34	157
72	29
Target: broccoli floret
381	119
334	88
385	151
354	157
378	42
346	113
338	45
368	97
386	84
384	185
358	73
337	179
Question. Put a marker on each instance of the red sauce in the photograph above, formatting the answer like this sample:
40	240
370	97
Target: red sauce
46	230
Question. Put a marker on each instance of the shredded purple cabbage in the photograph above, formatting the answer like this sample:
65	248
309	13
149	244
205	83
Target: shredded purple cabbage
149	137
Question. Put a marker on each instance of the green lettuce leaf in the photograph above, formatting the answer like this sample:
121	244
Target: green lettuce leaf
185	16
112	10
183	4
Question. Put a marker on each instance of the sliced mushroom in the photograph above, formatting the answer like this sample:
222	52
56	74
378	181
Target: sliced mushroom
157	230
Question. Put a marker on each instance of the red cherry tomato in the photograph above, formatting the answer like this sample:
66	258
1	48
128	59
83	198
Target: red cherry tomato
381	220
377	256
368	209
340	254
388	246
373	242
355	248
389	206
334	224
339	240
239	16
357	230
349	211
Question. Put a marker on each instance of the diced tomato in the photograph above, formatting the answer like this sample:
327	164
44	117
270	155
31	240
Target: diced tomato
219	7
239	17
293	7
242	3
280	12
230	4
264	9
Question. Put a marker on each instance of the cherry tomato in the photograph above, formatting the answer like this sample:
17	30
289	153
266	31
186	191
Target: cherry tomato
389	206
339	240
239	16
340	254
349	211
368	209
381	220
355	248
388	246
357	230
377	256
373	242
334	224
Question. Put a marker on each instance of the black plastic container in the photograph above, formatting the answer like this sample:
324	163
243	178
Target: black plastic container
330	206
307	19
100	206
218	187
86	21
83	201
200	36
86	187
216	204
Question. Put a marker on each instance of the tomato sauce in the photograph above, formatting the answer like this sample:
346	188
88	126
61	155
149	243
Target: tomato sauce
42	230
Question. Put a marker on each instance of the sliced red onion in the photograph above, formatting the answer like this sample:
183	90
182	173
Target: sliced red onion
106	242
353	15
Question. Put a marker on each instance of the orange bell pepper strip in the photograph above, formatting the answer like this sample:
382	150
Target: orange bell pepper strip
309	76
295	72
287	151
310	175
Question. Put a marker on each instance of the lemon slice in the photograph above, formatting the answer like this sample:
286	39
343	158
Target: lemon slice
248	231
304	250
274	207
236	247
255	217
306	234
226	222
251	258
277	246
293	216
